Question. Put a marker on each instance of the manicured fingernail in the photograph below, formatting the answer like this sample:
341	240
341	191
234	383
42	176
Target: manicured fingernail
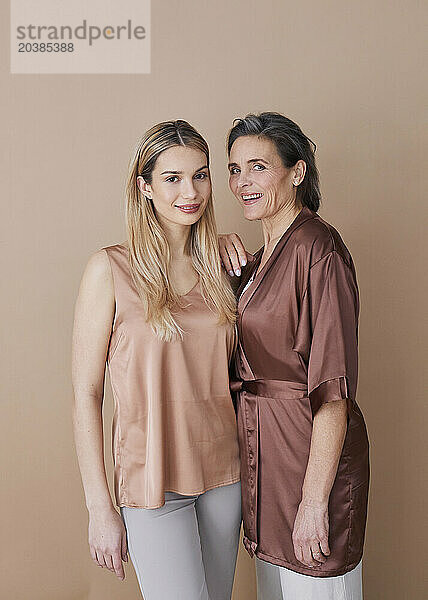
231	273
243	262
238	272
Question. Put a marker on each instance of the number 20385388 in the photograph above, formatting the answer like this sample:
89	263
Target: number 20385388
46	47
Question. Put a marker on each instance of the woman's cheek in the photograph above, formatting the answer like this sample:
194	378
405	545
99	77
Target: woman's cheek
232	187
271	201
208	189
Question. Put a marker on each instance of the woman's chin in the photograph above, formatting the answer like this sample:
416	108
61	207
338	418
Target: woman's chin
253	213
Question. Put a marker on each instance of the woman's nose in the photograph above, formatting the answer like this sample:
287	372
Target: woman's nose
188	190
243	180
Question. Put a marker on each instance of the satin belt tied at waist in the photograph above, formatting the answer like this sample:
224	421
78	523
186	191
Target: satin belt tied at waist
271	388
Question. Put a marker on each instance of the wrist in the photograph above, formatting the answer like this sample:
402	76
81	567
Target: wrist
98	507
315	500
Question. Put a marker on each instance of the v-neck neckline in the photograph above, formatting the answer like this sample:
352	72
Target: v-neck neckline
126	248
190	291
304	214
277	243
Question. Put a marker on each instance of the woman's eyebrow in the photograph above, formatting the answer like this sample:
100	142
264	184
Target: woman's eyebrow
251	160
181	172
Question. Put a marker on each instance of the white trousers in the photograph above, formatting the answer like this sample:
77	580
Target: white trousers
279	583
186	549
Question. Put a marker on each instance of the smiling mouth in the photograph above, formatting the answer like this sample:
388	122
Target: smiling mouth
188	208
251	198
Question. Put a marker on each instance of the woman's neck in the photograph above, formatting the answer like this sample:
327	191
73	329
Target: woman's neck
275	226
177	236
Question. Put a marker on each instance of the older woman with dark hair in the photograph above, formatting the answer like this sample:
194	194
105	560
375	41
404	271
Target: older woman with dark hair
303	440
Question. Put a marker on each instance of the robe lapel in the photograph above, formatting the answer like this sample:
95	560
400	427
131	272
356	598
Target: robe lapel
254	266
303	216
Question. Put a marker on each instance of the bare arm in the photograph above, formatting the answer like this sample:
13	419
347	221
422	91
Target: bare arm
93	318
311	527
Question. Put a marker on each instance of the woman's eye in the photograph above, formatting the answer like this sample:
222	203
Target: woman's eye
201	175
172	179
259	167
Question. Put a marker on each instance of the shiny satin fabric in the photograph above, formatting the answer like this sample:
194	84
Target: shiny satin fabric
298	330
174	424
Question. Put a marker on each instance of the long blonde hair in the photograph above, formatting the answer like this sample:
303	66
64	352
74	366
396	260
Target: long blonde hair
149	253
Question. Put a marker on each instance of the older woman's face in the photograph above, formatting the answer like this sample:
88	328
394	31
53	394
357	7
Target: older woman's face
258	178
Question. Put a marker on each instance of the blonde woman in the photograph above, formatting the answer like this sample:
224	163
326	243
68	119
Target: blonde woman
160	313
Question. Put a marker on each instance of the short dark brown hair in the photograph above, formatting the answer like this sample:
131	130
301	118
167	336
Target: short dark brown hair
291	144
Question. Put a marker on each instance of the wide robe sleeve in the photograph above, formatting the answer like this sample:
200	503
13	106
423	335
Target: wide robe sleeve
327	333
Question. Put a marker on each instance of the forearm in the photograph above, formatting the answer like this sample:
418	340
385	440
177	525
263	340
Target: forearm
328	435
89	441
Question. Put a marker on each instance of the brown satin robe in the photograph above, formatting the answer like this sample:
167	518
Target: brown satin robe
298	328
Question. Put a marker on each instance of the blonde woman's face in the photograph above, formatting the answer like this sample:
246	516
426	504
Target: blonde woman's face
181	185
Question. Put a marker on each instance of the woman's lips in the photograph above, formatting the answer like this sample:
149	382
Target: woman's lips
251	198
188	208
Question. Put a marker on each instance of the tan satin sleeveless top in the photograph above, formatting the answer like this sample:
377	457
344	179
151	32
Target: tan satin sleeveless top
174	426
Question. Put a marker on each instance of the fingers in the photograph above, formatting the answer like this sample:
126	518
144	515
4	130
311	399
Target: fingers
298	551
111	561
234	260
226	260
93	555
108	561
303	554
307	556
325	549
124	548
317	555
99	558
118	566
240	251
233	253
309	552
312	553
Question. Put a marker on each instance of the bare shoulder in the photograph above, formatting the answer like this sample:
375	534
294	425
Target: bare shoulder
98	266
93	318
97	277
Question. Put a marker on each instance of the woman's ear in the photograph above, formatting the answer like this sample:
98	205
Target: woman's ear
299	172
144	187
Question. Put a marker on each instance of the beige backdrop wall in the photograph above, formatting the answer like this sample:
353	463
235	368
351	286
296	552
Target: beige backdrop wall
351	74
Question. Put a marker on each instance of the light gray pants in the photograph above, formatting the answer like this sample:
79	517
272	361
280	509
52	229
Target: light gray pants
279	583
186	549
